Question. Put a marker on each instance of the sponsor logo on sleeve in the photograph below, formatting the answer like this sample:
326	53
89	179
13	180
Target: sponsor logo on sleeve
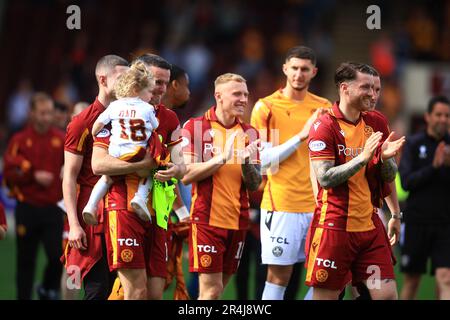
317	145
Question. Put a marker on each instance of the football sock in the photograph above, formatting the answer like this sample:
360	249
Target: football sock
273	292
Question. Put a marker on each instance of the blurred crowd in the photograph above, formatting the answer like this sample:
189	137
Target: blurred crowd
206	38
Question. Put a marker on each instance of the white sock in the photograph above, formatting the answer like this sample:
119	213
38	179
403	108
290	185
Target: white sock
98	192
144	187
273	292
309	294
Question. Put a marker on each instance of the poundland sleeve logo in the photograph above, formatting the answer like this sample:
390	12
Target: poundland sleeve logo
317	145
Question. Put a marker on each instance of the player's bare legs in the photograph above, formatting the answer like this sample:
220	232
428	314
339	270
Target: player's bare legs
411	282
387	290
443	282
279	275
325	294
225	279
210	286
155	288
134	283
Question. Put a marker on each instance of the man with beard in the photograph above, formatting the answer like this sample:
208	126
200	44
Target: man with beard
288	200
346	234
86	249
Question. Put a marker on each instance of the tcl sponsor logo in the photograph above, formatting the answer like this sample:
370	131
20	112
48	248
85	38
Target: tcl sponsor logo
206	248
128	242
279	240
349	152
326	263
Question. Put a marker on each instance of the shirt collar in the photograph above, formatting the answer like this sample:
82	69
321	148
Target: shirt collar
211	116
337	113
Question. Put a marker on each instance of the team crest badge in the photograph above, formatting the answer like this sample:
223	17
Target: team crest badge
126	255
368	130
277	251
205	260
321	275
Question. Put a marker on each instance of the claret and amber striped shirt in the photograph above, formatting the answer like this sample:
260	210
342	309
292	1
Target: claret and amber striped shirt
220	200
347	206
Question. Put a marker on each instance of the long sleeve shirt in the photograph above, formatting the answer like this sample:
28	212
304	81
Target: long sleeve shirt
428	200
29	151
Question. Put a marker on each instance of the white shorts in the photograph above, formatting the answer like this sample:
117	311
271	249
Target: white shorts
283	236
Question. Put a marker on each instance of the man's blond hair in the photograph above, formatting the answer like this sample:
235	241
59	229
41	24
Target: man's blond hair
227	77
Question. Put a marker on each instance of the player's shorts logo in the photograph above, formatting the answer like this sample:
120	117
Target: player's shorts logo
205	260
405	260
277	251
268	221
126	255
21	230
321	275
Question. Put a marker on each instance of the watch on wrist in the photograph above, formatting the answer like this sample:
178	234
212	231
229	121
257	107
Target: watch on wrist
398	216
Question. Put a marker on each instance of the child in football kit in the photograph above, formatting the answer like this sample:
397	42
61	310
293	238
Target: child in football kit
132	123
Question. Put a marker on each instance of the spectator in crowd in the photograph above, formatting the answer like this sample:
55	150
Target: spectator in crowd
18	106
62	116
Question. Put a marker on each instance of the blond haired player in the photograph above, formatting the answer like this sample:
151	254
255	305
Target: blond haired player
221	155
133	121
288	200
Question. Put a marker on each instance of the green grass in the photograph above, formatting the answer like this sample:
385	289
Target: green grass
8	274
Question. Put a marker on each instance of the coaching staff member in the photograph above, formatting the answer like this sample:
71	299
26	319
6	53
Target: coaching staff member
33	164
